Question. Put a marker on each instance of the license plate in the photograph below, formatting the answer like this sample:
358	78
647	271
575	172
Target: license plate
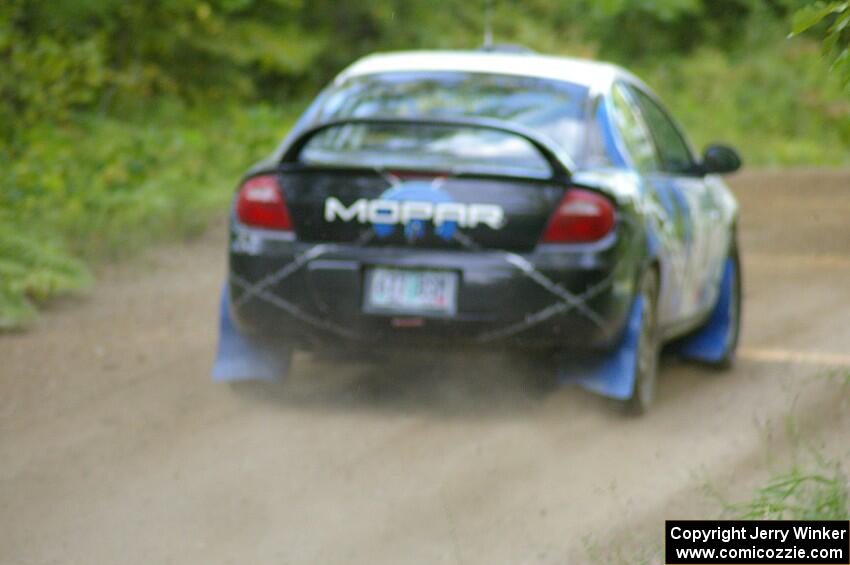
403	291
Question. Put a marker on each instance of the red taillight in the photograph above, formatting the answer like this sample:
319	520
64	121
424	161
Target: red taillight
581	217
260	204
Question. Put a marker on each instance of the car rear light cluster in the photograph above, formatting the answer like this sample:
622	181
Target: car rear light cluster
260	204
582	216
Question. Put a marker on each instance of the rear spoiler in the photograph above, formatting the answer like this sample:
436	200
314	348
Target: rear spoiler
559	163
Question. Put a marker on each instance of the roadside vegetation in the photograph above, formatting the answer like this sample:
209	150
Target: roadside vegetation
819	490
813	486
101	187
819	493
805	478
123	124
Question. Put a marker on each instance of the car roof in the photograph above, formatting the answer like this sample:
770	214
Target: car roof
596	76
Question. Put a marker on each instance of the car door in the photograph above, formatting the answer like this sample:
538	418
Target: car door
701	223
666	206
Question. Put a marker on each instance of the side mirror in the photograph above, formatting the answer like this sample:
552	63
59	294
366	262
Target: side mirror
720	159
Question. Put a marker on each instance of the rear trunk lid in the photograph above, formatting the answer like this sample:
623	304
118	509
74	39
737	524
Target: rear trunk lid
347	206
461	183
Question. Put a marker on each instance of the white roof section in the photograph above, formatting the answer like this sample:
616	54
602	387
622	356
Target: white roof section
596	76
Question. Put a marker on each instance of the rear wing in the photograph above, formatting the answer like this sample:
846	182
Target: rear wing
559	163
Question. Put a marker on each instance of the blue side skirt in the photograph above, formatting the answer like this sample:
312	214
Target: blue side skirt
710	343
614	374
241	358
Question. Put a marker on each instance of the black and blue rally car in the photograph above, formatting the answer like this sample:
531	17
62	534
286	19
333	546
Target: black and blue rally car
502	200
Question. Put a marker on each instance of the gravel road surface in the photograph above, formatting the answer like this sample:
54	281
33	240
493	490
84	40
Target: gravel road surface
115	446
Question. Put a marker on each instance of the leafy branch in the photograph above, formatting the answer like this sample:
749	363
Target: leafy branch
836	42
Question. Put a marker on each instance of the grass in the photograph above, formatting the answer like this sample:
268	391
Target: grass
818	492
814	487
799	494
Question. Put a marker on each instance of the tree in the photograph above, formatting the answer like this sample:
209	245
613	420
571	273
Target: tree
834	18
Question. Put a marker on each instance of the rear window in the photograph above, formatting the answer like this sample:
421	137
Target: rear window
448	149
555	109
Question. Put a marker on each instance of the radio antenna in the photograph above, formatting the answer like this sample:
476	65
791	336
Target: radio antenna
488	29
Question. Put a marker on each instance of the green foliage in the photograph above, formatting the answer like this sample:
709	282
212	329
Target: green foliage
100	179
103	187
796	116
32	269
836	43
43	79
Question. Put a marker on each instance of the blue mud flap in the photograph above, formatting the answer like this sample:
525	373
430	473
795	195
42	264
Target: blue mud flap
612	375
709	343
240	358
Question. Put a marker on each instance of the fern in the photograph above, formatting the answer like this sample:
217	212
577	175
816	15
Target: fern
33	270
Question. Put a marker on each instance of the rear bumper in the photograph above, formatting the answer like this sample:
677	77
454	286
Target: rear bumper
308	295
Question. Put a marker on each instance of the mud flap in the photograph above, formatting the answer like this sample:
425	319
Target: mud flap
613	374
241	358
709	343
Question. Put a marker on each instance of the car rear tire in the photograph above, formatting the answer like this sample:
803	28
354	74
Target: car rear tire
648	348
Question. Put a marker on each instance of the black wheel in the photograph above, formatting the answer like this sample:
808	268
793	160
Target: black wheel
734	306
648	347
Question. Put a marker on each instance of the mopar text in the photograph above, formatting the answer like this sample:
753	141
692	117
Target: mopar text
401	212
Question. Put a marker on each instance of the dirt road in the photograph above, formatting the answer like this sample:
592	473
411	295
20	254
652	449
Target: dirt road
115	447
